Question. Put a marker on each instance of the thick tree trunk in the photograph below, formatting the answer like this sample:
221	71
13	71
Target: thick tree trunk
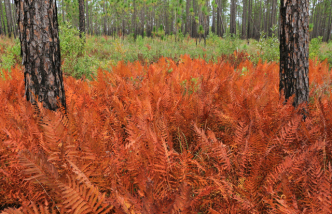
82	18
294	50
39	37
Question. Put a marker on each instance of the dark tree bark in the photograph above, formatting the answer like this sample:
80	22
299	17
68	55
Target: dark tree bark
233	17
87	17
39	37
213	27
187	17
194	24
1	19
244	20
63	10
8	17
12	10
142	20
328	36
249	17
218	18
134	21
294	50
105	18
328	27
82	18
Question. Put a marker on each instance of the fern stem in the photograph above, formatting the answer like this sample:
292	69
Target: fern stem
48	195
180	140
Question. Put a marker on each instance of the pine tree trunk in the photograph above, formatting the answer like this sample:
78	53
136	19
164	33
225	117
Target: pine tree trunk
39	37
87	17
260	22
317	21
187	17
194	24
213	27
134	20
82	18
233	17
142	20
249	17
218	18
294	50
328	36
244	16
8	17
63	11
13	16
104	19
1	19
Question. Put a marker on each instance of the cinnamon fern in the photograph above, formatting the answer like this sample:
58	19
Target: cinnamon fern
204	138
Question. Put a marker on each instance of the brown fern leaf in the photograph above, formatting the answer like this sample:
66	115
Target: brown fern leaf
38	168
182	200
32	208
79	198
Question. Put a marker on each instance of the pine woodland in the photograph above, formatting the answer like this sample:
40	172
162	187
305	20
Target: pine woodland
196	18
171	136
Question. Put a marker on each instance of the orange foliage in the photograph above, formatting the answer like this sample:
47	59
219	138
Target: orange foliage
169	137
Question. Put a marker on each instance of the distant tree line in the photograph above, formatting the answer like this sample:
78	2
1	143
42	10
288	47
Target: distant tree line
197	18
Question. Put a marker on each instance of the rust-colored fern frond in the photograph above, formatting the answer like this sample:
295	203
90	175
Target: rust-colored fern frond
79	198
38	168
176	137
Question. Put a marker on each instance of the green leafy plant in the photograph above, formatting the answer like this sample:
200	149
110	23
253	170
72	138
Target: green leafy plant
268	47
11	56
314	47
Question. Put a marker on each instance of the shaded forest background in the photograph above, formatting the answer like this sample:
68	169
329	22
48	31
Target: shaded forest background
197	18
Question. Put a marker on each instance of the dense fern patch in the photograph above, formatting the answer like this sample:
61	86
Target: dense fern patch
170	137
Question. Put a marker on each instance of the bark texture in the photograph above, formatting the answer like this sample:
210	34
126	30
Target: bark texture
82	18
9	18
294	50
233	17
1	19
39	37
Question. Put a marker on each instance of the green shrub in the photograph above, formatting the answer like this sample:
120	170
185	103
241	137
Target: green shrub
11	56
73	52
71	45
268	47
314	47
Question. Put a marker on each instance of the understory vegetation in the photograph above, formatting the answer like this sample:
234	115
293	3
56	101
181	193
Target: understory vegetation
184	136
84	58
